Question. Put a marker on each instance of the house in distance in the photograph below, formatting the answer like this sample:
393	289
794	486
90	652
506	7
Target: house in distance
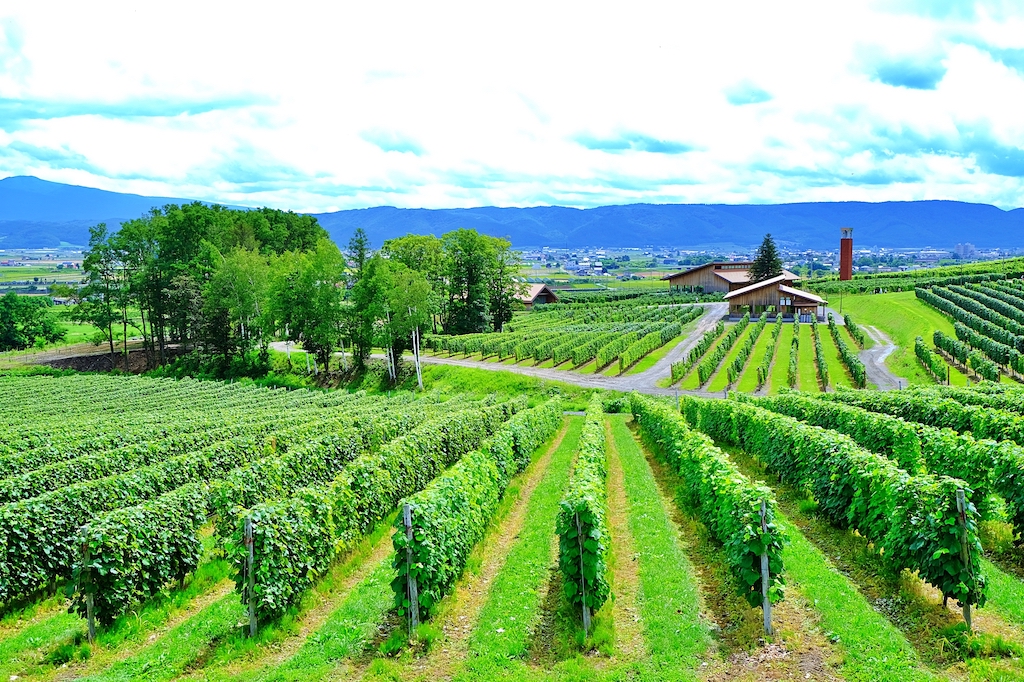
537	293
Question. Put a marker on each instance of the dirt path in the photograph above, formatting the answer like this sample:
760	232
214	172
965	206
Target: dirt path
874	361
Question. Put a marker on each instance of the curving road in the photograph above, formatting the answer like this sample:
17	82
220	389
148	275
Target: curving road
874	361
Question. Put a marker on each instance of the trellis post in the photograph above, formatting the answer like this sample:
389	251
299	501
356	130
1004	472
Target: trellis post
766	602
965	552
89	605
250	571
413	589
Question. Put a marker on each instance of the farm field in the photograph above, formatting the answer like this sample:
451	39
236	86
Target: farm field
322	478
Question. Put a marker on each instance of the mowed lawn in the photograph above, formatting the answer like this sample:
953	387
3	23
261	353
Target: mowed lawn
838	375
748	380
903	318
808	369
778	379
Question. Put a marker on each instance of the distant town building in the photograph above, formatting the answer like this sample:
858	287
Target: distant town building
965	251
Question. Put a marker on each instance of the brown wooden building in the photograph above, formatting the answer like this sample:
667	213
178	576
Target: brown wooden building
716	277
537	293
775	296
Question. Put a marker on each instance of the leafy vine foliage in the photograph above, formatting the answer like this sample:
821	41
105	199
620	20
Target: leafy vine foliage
912	520
452	514
849	358
679	369
710	363
581	524
727	502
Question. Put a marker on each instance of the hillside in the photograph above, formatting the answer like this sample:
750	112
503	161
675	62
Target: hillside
38	213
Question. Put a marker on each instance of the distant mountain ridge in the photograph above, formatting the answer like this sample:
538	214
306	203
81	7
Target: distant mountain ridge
37	213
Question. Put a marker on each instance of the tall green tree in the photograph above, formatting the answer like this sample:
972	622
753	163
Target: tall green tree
503	285
767	263
98	296
467	263
26	321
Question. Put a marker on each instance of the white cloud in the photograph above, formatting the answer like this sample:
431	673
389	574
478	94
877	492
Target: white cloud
318	107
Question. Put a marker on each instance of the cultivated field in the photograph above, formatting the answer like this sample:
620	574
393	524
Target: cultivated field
217	531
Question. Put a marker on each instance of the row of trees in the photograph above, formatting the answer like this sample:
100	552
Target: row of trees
221	284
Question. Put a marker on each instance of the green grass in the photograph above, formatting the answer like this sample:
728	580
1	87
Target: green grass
1005	593
20	651
721	378
873	648
838	375
186	644
903	318
502	634
748	380
345	633
807	368
669	602
780	369
651	358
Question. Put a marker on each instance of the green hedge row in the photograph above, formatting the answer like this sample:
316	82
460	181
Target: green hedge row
985	465
984	367
933	410
37	536
997	305
735	368
712	360
957	350
930	360
295	539
910	519
793	371
611	350
855	331
452	514
679	369
819	354
764	369
582	524
849	357
727	502
943	300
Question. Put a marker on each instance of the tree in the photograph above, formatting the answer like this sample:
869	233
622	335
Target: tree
767	263
503	287
26	321
467	263
99	293
359	250
425	255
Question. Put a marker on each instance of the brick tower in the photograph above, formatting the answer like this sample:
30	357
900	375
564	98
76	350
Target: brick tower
846	254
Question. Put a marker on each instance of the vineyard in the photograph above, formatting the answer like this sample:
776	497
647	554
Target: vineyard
609	337
771	355
160	529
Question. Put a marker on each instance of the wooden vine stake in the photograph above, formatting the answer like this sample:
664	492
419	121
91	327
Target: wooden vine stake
250	573
413	589
89	614
965	553
766	602
583	580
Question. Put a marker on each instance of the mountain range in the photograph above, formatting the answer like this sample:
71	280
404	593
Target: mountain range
37	213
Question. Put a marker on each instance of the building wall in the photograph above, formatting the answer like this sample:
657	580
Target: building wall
704	278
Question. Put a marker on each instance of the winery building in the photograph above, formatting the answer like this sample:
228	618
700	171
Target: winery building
537	293
721	277
775	296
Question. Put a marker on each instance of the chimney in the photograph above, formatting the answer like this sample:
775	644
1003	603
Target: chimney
846	254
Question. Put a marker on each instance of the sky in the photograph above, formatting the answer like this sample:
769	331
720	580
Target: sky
326	106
